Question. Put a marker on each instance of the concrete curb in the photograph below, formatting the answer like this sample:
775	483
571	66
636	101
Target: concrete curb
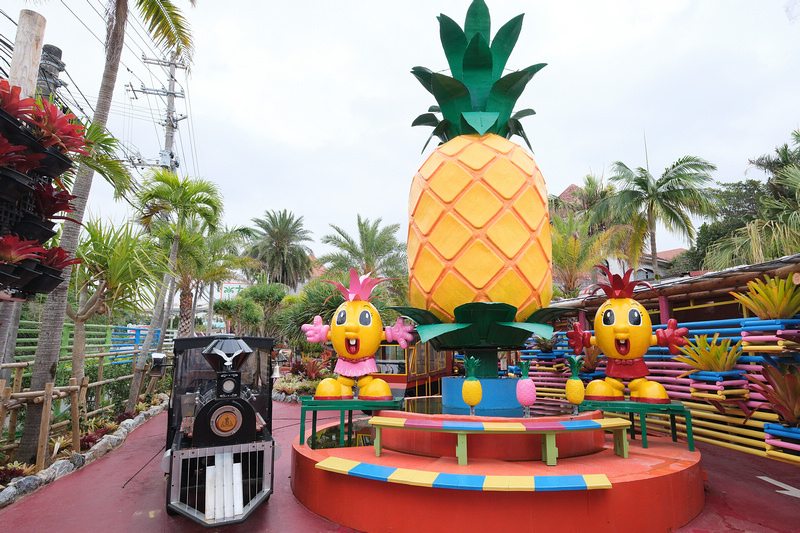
22	486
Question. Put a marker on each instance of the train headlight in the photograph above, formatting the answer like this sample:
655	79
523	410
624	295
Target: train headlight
226	421
228	384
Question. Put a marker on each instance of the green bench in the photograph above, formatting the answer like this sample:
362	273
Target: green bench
643	409
308	403
549	430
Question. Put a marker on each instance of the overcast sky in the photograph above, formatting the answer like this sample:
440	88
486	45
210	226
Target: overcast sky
307	105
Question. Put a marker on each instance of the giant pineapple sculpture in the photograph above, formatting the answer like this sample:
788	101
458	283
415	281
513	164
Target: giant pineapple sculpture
478	221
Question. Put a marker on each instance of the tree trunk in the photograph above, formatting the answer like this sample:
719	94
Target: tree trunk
141	358
167	314
186	321
10	313
79	350
46	361
210	314
654	250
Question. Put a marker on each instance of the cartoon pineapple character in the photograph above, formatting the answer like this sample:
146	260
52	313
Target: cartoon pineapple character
574	388
526	388
471	392
478	221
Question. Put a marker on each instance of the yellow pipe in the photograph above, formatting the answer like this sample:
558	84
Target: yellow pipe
784	457
751	451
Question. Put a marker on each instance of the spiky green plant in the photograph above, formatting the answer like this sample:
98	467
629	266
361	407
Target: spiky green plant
477	98
781	390
713	356
775	298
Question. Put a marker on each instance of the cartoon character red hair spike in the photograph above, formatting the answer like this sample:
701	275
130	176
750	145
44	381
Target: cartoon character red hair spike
624	333
356	332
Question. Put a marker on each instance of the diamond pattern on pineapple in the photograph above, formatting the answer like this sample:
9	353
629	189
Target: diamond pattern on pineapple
504	178
431	165
449	237
478	264
510	289
476	156
498	143
451	148
533	264
450	181
427	212
531	209
524	161
478	205
452	292
428	268
508	234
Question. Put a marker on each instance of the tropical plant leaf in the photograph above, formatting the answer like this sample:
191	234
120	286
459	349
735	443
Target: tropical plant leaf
426	119
771	299
782	392
713	356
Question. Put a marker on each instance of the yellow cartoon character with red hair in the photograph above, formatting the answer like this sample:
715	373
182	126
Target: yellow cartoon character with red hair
624	332
356	333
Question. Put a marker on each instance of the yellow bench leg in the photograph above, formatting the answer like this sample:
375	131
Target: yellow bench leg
461	448
621	442
549	449
377	442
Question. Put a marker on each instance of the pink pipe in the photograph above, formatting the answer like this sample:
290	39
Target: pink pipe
781	444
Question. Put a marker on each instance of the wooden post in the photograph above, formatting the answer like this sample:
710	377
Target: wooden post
98	393
84	389
151	385
4	408
663	309
44	427
12	417
27	51
75	413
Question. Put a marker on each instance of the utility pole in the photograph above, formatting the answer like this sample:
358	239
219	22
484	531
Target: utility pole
167	157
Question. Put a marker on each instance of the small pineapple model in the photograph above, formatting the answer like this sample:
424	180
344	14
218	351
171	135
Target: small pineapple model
471	392
478	218
574	387
526	388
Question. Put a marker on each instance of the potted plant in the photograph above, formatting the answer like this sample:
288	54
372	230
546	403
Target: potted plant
13	182
781	390
53	261
59	133
17	257
774	298
13	108
710	361
544	344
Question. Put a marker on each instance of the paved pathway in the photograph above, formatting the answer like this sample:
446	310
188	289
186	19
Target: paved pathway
125	492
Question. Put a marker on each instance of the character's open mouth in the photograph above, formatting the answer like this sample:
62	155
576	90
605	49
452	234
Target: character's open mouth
352	346
622	346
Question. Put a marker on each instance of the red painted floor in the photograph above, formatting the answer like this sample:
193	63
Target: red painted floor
125	492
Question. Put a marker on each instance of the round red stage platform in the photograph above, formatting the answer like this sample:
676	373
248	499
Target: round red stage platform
659	488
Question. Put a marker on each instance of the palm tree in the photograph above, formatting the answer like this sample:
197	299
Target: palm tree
589	195
576	250
670	199
278	244
222	256
117	272
165	194
774	235
268	296
375	249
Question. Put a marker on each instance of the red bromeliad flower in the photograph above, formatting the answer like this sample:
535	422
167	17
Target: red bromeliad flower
13	156
58	258
11	103
50	201
14	250
620	287
54	128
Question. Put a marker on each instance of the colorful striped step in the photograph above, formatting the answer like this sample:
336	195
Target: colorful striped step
549	430
424	478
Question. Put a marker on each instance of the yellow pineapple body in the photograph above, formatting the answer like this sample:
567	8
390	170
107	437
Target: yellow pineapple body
479	228
575	391
472	392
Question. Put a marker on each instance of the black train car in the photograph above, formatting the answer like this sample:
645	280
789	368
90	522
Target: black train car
220	452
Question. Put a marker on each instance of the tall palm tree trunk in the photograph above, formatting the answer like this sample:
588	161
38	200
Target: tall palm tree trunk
651	221
158	311
210	313
10	313
186	320
54	313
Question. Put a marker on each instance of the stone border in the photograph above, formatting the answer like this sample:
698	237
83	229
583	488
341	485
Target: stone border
22	486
